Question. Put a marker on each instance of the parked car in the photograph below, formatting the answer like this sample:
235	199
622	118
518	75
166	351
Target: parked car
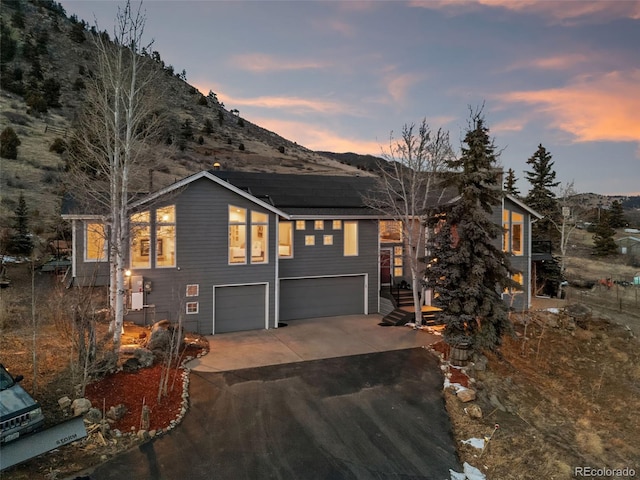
19	413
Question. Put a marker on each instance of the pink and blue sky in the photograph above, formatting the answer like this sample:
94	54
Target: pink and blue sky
342	75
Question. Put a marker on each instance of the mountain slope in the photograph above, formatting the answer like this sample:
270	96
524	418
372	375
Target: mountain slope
47	60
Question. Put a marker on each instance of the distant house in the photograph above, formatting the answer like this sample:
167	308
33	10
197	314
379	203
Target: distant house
629	246
231	251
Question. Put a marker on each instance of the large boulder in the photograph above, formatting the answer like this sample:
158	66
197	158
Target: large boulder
117	412
163	333
144	356
80	406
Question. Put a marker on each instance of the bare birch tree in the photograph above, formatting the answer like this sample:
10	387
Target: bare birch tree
409	192
568	222
112	143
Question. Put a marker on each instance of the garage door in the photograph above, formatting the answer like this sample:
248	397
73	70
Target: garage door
241	307
321	297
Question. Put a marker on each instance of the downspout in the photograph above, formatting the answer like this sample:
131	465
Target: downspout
529	255
276	281
74	247
378	267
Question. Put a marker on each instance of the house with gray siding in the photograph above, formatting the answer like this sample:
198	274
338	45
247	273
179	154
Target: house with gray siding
229	251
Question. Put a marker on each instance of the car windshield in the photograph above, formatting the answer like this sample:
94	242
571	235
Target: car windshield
5	379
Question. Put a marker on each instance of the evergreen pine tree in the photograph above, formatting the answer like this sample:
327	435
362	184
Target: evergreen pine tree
603	242
20	243
616	215
541	197
510	183
471	271
208	126
9	143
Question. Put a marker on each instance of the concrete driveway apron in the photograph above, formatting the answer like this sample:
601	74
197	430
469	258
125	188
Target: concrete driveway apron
336	399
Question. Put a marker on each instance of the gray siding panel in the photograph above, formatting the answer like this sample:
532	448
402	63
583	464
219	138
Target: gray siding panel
202	256
88	273
321	297
329	260
240	307
520	263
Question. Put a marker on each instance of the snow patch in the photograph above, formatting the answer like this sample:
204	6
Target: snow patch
469	473
553	310
475	442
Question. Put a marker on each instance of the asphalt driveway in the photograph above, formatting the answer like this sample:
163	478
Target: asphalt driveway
376	415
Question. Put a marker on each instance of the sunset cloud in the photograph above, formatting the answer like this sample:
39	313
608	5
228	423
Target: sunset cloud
316	138
556	62
292	105
511	125
258	62
557	11
593	108
398	85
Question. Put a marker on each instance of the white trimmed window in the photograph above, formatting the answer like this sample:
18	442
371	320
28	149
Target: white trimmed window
193	290
350	238
327	239
518	278
390	231
337	224
513	237
318	225
237	235
309	240
192	308
140	252
259	235
398	262
285	239
95	242
300	224
166	236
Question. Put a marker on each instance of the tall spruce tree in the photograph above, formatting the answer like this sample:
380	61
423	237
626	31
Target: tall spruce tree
616	215
510	183
470	271
603	242
21	243
541	197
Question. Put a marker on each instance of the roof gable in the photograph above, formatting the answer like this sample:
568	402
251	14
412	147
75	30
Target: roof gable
207	175
523	205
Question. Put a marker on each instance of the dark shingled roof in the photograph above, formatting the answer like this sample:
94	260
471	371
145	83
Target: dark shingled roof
306	194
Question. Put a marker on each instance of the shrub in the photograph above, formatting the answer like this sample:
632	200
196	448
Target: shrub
77	33
51	92
58	146
9	45
208	126
200	140
202	100
49	178
9	143
241	147
36	102
281	149
79	84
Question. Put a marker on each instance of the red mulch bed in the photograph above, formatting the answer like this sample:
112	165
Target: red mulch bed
135	390
139	388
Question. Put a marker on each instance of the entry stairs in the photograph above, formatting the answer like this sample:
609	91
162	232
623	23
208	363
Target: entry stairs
403	310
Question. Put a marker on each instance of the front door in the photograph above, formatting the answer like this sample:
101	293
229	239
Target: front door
385	266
